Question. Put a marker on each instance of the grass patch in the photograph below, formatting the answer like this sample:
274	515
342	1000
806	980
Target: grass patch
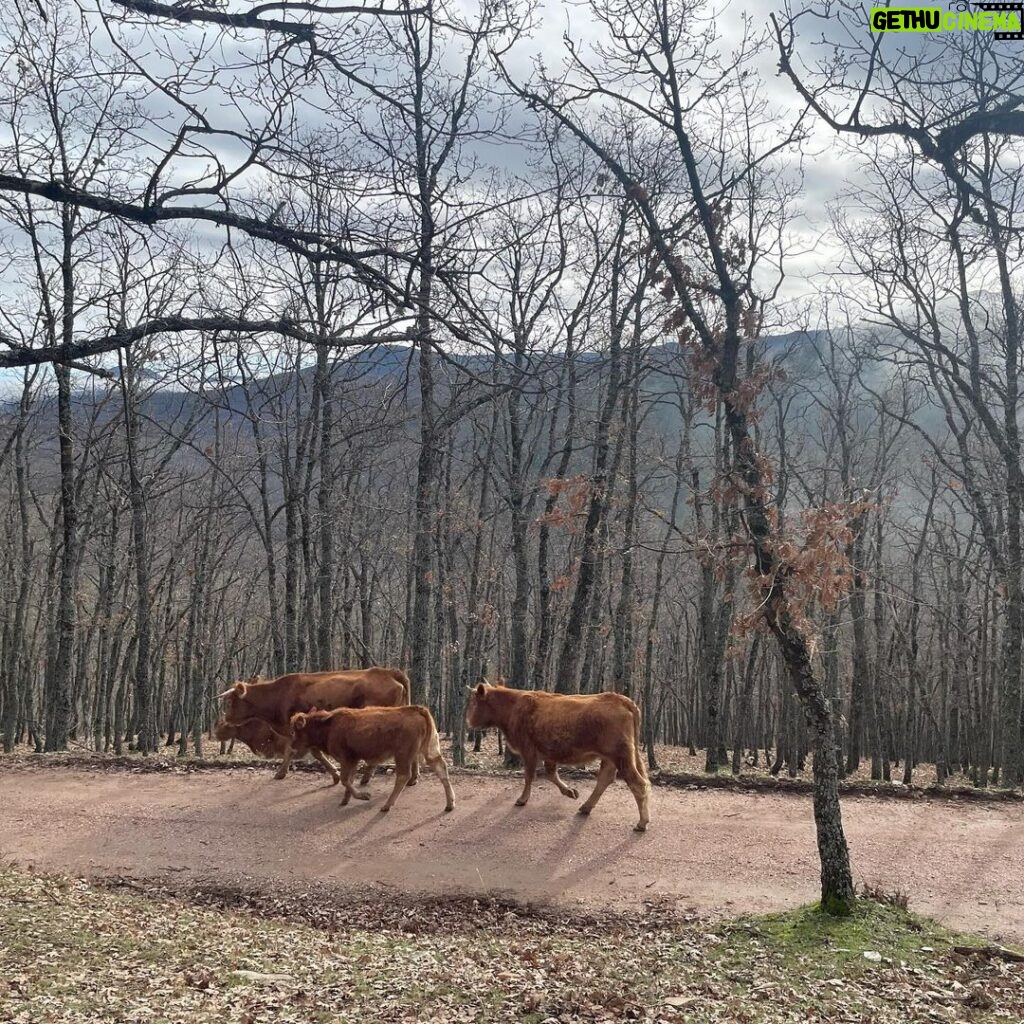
810	939
845	968
73	952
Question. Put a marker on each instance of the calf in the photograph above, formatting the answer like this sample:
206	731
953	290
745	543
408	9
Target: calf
276	700
373	735
559	729
262	739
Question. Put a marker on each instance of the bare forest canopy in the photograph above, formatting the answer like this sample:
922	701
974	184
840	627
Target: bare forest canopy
340	335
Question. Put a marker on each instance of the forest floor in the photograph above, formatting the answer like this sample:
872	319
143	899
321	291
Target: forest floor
716	852
100	952
676	767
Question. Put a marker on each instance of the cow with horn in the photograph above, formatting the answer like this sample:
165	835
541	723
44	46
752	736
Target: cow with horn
275	701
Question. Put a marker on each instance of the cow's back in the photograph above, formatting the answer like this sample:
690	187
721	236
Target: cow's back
576	728
368	732
354	688
276	700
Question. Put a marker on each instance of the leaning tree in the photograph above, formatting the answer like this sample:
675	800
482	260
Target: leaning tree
661	91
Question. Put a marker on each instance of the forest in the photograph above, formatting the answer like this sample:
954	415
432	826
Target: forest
642	346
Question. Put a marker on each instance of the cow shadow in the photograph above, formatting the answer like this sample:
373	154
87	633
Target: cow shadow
324	787
561	876
420	823
570	847
276	792
378	820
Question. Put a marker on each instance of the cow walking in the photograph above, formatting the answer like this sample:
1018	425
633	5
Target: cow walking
265	741
574	730
276	700
373	735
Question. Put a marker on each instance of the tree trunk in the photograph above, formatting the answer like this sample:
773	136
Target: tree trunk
58	695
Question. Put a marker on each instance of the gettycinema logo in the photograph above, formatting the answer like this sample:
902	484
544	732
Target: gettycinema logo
1003	20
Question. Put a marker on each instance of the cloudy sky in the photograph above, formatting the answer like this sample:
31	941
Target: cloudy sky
831	168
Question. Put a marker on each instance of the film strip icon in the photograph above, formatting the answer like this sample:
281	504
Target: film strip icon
1018	8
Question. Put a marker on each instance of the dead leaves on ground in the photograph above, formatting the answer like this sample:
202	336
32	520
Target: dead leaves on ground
71	952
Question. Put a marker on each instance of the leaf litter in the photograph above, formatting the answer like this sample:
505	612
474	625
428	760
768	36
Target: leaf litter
162	951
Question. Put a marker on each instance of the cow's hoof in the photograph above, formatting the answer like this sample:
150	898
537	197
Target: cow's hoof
362	796
584	810
384	810
572	794
450	807
412	782
520	803
278	777
639	827
337	779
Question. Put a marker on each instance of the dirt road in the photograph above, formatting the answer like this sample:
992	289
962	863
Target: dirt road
715	851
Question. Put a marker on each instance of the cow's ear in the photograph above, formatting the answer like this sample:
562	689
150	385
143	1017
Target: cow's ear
481	689
239	689
298	721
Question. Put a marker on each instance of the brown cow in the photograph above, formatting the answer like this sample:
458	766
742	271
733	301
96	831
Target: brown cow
559	729
276	700
263	739
373	735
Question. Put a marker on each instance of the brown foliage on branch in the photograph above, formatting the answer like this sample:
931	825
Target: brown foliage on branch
576	493
812	561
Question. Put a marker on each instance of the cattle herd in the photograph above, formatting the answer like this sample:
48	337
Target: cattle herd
364	716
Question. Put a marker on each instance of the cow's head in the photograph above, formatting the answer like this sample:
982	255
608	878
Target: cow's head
481	707
236	705
309	727
259	736
224	730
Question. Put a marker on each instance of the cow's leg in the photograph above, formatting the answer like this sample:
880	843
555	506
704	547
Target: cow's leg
605	777
551	770
641	790
402	774
359	794
440	769
529	770
348	770
286	760
328	767
371	767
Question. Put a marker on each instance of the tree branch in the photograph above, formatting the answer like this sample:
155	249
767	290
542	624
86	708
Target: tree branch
209	16
22	355
313	246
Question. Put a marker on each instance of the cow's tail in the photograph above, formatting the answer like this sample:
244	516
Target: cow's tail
638	755
402	678
430	747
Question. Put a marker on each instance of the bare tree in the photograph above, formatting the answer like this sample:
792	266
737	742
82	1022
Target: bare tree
713	285
940	256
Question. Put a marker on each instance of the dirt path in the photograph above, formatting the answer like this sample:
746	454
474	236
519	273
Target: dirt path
714	851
